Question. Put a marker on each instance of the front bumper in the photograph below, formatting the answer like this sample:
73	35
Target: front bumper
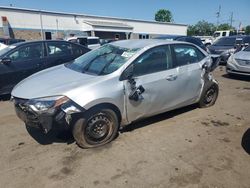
234	68
44	121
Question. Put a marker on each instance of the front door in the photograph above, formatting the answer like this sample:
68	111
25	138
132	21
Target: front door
25	60
155	71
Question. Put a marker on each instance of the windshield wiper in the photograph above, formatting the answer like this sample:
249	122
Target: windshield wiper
101	72
89	64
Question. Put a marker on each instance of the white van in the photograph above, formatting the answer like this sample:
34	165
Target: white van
89	42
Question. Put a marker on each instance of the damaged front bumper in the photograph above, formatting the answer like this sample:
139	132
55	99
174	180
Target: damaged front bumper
60	117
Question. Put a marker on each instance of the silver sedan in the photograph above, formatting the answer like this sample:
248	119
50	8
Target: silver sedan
114	85
239	63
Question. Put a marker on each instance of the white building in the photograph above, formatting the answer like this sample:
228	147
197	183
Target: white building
29	24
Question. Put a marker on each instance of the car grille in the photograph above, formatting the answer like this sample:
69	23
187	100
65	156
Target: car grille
243	62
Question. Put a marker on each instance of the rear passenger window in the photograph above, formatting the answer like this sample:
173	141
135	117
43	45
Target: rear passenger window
187	54
154	60
58	48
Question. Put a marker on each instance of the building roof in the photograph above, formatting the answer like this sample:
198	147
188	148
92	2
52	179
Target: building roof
108	24
84	15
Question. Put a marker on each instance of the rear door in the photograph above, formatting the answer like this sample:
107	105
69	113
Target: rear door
189	60
25	60
58	52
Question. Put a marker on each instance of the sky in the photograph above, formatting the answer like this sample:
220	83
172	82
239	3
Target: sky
184	11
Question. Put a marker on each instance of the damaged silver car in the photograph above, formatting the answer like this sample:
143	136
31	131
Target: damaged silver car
110	87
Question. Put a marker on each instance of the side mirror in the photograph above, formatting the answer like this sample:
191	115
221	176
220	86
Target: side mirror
246	44
128	73
5	60
205	66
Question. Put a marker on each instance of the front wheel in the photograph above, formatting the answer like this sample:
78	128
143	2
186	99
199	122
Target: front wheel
209	96
97	128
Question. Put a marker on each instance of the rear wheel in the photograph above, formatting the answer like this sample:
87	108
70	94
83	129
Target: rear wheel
97	128
209	97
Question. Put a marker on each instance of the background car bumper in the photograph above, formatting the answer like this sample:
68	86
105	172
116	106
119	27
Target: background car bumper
234	68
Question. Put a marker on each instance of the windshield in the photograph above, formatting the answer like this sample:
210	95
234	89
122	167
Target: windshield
5	50
225	41
247	49
102	61
216	34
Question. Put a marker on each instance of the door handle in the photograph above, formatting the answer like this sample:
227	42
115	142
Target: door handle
171	77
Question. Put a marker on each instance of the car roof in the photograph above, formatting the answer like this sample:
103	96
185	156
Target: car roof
170	36
237	36
29	42
141	43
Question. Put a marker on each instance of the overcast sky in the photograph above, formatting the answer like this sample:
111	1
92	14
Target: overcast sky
186	12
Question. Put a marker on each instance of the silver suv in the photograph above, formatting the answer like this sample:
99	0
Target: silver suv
114	85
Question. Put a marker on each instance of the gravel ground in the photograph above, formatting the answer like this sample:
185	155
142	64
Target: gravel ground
188	147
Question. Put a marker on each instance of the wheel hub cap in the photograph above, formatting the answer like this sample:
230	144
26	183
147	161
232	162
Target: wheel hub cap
98	127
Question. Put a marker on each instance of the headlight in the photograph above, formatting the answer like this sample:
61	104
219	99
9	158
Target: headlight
47	104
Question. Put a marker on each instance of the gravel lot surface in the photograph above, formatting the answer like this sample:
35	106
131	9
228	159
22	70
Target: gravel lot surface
188	147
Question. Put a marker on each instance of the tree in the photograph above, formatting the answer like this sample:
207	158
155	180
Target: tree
201	28
225	26
247	30
164	15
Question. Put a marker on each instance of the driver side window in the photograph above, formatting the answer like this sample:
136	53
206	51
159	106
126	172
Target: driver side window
154	60
27	52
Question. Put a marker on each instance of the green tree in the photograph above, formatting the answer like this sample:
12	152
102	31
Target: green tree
225	26
164	15
201	28
247	30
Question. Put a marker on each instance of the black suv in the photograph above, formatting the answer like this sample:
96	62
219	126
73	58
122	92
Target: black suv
193	40
20	60
225	46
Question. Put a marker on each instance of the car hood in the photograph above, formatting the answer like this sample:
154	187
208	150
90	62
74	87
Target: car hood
244	55
54	81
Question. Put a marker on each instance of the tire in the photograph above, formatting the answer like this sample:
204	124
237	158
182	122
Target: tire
97	128
209	96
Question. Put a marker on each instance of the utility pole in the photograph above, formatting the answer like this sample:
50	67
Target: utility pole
41	22
231	19
218	16
57	35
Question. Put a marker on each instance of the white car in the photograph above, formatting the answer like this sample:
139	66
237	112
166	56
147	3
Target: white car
239	63
89	42
2	46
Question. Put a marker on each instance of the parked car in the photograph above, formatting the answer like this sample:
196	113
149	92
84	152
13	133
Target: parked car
206	40
9	41
89	42
20	60
114	85
239	63
106	41
2	46
190	39
226	46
